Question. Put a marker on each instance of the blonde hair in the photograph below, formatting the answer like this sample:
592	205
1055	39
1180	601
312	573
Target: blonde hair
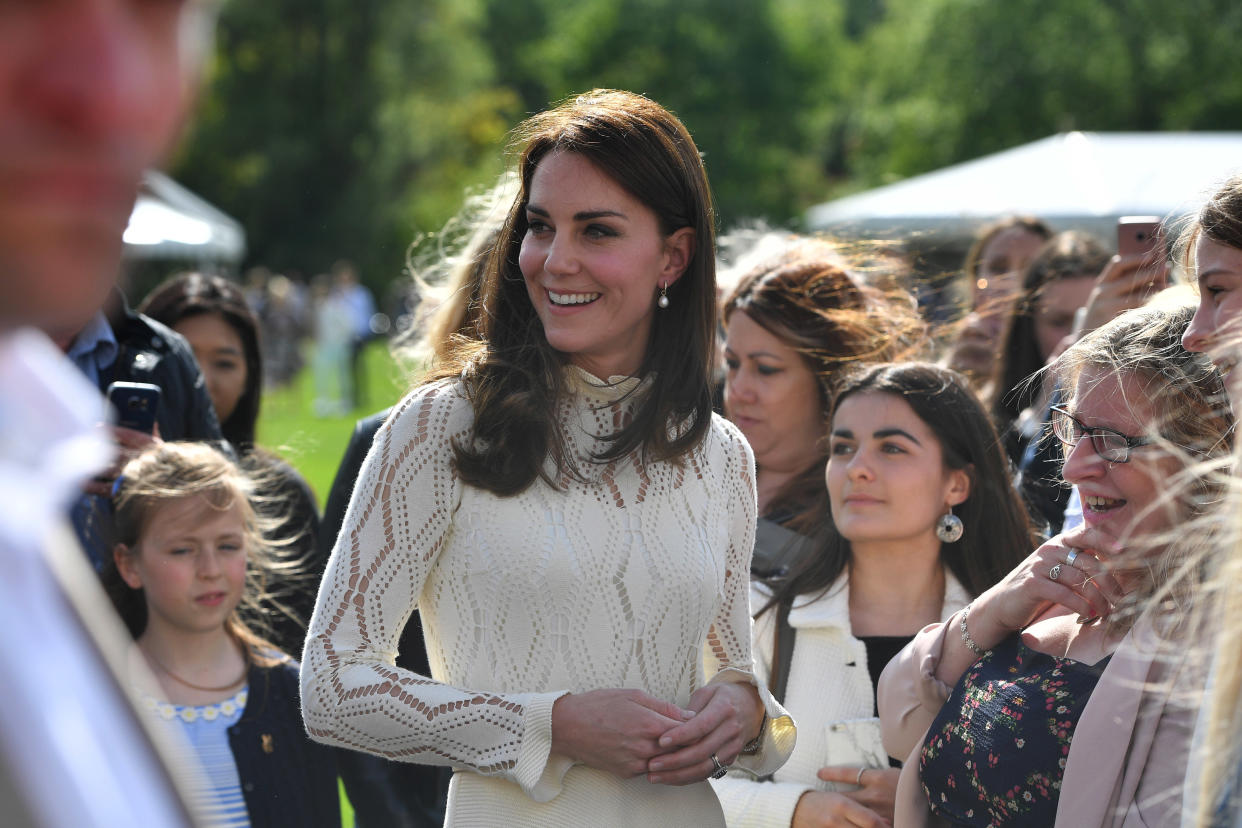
1190	419
168	472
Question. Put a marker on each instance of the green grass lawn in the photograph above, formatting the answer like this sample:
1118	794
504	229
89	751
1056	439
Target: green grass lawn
314	445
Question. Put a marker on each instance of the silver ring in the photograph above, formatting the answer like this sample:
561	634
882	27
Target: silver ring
1071	557
720	770
1055	572
858	781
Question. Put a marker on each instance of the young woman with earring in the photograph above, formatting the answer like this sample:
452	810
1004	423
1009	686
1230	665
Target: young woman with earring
566	513
923	517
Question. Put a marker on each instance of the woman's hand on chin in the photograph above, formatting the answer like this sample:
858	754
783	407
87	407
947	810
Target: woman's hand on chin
1083	583
613	730
726	716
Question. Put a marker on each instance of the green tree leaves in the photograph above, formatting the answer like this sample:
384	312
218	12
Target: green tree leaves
342	129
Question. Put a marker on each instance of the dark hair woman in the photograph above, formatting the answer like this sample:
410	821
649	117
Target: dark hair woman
565	512
923	517
212	314
1212	250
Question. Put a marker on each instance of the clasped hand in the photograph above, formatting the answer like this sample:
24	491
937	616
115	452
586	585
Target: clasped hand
628	732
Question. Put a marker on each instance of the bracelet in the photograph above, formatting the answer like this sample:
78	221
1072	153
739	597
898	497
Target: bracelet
966	639
752	747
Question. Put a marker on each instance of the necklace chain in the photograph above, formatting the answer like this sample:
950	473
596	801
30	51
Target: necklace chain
199	687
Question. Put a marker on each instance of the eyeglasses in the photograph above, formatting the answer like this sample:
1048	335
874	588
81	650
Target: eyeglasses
1112	446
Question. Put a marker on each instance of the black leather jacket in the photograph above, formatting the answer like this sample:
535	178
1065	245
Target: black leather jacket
151	352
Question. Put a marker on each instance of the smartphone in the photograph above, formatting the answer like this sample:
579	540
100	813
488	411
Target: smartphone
1141	236
135	404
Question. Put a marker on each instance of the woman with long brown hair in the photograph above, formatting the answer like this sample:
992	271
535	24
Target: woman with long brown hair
565	512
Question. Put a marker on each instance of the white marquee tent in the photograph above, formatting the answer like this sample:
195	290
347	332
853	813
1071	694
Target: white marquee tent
170	222
1081	180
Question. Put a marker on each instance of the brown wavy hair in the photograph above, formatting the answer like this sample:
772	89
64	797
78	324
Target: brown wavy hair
807	299
513	377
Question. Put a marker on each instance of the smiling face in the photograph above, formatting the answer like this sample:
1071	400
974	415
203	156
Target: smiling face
1217	325
190	563
1121	498
772	396
886	475
92	93
594	261
221	356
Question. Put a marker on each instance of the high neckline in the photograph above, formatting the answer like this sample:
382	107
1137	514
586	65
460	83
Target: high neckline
612	389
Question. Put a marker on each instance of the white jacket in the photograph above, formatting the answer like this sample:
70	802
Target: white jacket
830	696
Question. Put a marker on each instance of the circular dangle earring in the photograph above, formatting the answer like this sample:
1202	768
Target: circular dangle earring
663	300
949	528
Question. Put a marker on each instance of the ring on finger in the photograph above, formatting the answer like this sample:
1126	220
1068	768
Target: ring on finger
720	770
858	781
1071	557
1055	572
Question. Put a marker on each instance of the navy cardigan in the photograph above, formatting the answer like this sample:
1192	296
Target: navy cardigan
286	778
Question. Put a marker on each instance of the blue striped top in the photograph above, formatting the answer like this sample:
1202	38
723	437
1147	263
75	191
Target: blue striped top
217	796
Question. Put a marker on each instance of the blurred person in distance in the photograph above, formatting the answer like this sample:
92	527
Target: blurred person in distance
993	268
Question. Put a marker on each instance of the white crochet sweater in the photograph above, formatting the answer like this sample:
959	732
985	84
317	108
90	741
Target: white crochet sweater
830	693
635	578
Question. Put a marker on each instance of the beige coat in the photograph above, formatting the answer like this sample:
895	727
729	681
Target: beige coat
1127	760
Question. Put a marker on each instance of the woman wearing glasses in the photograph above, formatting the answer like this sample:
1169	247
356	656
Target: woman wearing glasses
1042	701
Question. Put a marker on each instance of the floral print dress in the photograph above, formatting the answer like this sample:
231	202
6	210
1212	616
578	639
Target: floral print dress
996	752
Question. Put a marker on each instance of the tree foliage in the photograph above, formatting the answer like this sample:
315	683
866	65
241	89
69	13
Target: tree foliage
342	129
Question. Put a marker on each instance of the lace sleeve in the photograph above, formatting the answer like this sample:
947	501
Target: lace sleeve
399	517
727	651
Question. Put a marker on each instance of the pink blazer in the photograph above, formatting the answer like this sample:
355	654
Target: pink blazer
1127	761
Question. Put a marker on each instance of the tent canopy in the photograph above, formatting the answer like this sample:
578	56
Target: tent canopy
1082	180
170	222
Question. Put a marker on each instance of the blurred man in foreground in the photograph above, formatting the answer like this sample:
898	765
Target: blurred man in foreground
92	92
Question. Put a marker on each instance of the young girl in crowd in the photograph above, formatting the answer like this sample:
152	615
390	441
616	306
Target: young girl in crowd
189	554
922	518
212	314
